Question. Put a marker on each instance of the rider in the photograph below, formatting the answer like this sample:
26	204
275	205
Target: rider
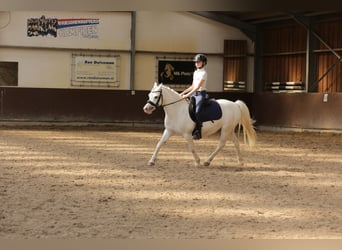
198	90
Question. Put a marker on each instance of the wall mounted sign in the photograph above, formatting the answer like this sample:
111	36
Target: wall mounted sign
63	27
175	71
95	70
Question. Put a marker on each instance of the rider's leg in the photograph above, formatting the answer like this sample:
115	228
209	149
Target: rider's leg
199	104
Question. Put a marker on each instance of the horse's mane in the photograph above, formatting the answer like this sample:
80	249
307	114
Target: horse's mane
172	90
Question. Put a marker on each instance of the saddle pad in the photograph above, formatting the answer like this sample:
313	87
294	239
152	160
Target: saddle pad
210	111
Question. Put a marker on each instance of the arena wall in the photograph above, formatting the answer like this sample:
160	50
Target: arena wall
45	67
83	105
46	61
300	110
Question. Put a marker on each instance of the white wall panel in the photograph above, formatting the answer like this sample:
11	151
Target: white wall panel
113	30
45	61
182	32
52	68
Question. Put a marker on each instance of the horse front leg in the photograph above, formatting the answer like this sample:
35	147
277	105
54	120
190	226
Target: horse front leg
191	147
166	135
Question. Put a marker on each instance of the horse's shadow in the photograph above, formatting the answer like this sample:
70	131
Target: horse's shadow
225	167
235	169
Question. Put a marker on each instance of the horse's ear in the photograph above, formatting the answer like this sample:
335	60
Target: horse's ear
155	85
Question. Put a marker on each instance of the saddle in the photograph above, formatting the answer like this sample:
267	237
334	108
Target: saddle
211	110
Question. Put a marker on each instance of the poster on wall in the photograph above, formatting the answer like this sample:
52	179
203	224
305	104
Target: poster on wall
175	72
95	70
63	27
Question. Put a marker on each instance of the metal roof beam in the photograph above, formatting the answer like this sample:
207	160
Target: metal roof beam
248	29
306	23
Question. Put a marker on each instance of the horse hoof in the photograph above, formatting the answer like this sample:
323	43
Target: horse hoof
206	164
151	163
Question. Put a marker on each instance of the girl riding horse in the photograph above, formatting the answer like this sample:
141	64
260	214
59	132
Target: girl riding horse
198	90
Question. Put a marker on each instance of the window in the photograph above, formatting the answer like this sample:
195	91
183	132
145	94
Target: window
235	65
8	73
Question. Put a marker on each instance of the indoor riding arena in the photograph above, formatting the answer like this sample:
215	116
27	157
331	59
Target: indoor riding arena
75	142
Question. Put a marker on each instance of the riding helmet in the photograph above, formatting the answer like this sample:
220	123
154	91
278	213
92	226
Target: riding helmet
201	57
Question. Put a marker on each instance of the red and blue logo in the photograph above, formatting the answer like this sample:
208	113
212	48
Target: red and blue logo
63	27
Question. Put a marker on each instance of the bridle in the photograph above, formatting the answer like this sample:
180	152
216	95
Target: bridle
160	97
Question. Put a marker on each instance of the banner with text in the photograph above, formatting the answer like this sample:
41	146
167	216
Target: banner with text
63	27
95	69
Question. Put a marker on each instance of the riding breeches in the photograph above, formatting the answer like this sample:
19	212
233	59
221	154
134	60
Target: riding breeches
200	97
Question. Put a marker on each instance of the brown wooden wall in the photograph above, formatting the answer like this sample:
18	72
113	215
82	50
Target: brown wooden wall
80	105
298	110
332	82
287	68
235	64
302	110
331	32
41	104
284	47
284	54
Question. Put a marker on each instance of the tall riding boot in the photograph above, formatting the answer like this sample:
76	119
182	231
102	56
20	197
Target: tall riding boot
196	134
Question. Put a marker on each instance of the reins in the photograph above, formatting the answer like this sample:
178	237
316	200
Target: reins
164	105
161	97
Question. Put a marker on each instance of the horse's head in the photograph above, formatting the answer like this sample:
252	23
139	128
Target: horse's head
154	99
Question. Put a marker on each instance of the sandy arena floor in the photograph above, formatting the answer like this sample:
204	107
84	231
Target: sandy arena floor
89	183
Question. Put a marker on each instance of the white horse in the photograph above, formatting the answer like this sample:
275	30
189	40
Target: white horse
178	122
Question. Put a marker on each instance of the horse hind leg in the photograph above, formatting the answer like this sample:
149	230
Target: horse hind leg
221	144
235	140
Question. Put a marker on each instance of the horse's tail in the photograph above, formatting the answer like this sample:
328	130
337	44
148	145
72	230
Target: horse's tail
247	124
